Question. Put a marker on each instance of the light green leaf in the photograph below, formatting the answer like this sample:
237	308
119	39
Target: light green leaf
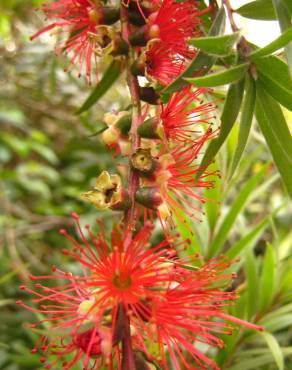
245	122
275	349
260	9
267	280
216	45
212	195
248	239
202	61
252	284
229	115
279	43
235	209
227	76
278	323
252	363
276	132
110	76
186	231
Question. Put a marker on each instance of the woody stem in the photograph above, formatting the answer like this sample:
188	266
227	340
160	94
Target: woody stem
136	121
128	361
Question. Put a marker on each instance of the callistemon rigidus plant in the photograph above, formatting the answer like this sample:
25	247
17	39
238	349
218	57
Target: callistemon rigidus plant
135	304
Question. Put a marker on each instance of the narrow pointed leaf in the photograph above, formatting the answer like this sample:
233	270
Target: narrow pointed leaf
252	284
245	122
259	9
284	17
274	348
267	280
250	238
230	75
202	62
234	211
110	76
276	132
229	115
216	45
277	44
274	75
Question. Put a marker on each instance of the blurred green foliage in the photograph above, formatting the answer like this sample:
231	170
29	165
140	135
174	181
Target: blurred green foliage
49	155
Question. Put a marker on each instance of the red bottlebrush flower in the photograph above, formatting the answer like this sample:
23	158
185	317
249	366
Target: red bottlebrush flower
174	23
165	302
161	65
78	19
192	312
183	113
81	310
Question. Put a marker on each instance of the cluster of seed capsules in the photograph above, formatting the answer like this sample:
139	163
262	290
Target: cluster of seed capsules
138	306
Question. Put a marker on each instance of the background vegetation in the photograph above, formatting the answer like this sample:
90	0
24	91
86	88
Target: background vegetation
49	155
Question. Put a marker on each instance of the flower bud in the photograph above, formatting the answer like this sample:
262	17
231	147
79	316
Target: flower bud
149	197
143	162
139	38
148	129
149	95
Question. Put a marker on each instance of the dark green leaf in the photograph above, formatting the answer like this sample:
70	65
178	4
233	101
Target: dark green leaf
245	122
288	5
109	77
284	17
274	127
227	76
280	42
260	9
216	45
274	75
203	62
229	115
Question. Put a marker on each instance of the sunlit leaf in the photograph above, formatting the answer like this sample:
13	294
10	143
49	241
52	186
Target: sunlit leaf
259	9
216	45
230	75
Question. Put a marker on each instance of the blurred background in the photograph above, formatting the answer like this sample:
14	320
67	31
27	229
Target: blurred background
49	155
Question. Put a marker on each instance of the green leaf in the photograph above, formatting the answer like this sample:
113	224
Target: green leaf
284	17
252	284
202	62
229	115
216	45
260	9
267	280
252	363
235	209
276	132
288	5
110	76
186	231
279	43
248	239
278	323
230	75
274	348
212	195
274	75
245	122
